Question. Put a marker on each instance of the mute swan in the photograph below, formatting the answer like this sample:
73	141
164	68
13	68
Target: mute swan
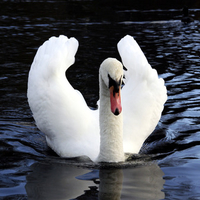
120	125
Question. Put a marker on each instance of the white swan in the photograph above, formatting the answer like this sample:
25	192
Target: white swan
71	128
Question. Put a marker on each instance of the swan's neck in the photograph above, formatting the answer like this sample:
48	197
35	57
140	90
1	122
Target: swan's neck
111	130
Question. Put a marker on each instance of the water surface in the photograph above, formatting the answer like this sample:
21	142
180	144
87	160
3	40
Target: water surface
30	170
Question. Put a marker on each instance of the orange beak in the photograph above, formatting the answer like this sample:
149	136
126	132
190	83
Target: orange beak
115	101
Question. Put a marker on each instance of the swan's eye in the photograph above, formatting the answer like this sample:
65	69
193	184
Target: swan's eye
114	83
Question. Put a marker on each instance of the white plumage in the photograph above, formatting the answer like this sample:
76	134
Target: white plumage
60	111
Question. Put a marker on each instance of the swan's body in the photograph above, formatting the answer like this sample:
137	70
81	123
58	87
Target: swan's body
71	128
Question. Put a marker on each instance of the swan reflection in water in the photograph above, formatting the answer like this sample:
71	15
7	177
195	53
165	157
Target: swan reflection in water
64	181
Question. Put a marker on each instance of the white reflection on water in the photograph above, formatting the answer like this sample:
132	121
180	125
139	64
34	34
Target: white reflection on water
64	181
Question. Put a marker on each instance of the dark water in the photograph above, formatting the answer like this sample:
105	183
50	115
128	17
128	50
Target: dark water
171	167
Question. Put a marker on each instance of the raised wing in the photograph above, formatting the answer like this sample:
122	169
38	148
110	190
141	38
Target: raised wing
143	95
61	112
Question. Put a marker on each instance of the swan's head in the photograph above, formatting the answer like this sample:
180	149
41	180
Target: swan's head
111	71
